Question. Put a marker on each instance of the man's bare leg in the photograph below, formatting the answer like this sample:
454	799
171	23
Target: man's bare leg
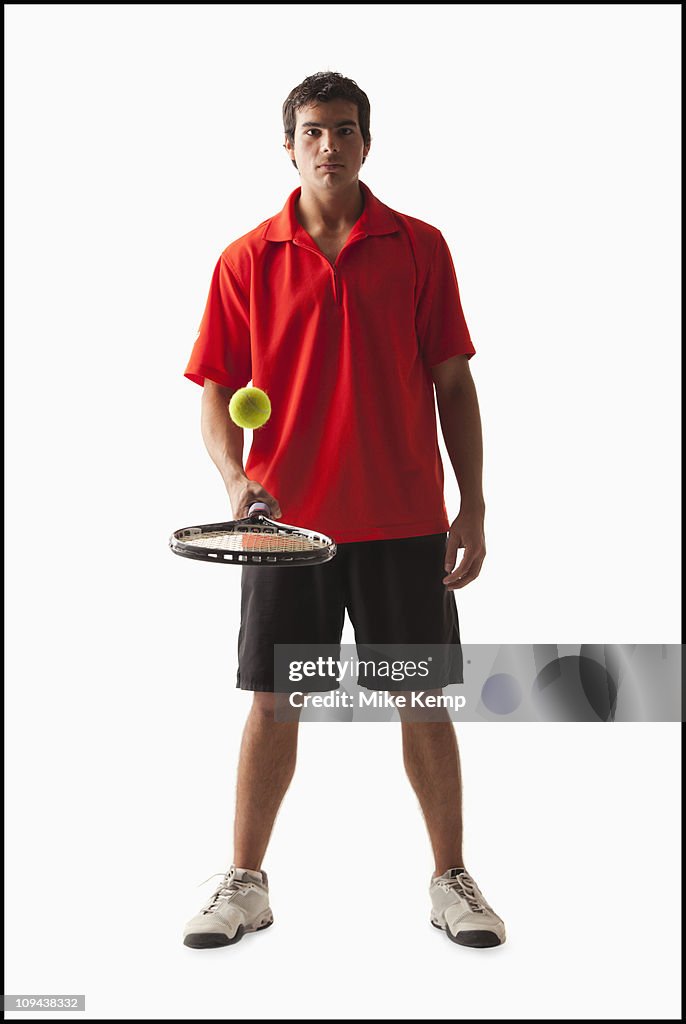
265	769
432	763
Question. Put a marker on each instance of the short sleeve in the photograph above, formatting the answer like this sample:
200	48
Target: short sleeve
221	351
442	330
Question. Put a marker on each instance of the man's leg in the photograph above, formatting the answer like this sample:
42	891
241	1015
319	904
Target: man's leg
459	908
432	762
396	596
265	768
297	605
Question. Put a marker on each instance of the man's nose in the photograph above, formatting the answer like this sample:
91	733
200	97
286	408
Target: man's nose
329	142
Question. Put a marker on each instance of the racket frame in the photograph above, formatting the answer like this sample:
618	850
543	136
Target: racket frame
259	524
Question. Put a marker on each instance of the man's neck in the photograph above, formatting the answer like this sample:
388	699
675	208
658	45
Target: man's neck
329	213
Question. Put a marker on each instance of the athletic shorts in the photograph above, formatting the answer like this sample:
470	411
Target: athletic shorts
392	590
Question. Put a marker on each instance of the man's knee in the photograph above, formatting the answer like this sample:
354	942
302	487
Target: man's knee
274	707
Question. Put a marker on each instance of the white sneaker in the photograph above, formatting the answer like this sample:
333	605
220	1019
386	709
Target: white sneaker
460	909
240	904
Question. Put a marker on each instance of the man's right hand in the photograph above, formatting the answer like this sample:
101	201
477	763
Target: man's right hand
243	492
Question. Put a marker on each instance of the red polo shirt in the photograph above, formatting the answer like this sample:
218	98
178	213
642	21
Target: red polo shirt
344	352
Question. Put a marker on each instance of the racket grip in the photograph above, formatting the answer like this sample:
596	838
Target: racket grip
259	508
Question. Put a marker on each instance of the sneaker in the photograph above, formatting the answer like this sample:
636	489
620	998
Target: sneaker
239	905
461	911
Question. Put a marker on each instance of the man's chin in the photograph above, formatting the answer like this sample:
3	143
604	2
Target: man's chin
340	179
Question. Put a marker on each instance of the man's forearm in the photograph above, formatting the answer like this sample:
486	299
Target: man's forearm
223	439
458	409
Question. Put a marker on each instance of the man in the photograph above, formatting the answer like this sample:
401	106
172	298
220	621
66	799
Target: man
348	315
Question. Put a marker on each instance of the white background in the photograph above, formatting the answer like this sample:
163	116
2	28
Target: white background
543	141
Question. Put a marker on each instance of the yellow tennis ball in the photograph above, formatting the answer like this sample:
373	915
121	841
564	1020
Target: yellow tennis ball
250	407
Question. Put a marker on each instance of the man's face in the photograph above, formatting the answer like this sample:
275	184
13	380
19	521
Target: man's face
327	134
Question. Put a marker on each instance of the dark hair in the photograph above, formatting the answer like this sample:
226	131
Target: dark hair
322	88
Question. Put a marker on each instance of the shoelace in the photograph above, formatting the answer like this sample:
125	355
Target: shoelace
465	886
229	888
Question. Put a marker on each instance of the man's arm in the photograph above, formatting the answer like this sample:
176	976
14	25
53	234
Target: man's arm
458	409
224	442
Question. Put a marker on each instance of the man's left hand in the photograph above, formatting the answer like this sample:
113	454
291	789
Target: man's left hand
467	531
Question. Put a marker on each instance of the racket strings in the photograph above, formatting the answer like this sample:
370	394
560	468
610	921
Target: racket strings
256	542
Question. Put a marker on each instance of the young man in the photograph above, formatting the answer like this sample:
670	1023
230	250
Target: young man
348	315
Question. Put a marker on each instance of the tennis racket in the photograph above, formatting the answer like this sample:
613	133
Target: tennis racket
255	540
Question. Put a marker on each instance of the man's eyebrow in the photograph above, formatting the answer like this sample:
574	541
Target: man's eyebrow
316	124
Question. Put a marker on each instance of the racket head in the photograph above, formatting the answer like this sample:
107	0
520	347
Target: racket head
255	540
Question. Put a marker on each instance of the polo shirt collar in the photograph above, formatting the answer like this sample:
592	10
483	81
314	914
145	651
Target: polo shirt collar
375	219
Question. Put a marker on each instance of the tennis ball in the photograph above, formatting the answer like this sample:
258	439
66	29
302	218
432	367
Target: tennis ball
250	407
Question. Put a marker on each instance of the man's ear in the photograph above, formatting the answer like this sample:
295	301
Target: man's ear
290	150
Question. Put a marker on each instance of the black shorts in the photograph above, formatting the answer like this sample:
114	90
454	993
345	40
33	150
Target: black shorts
392	589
